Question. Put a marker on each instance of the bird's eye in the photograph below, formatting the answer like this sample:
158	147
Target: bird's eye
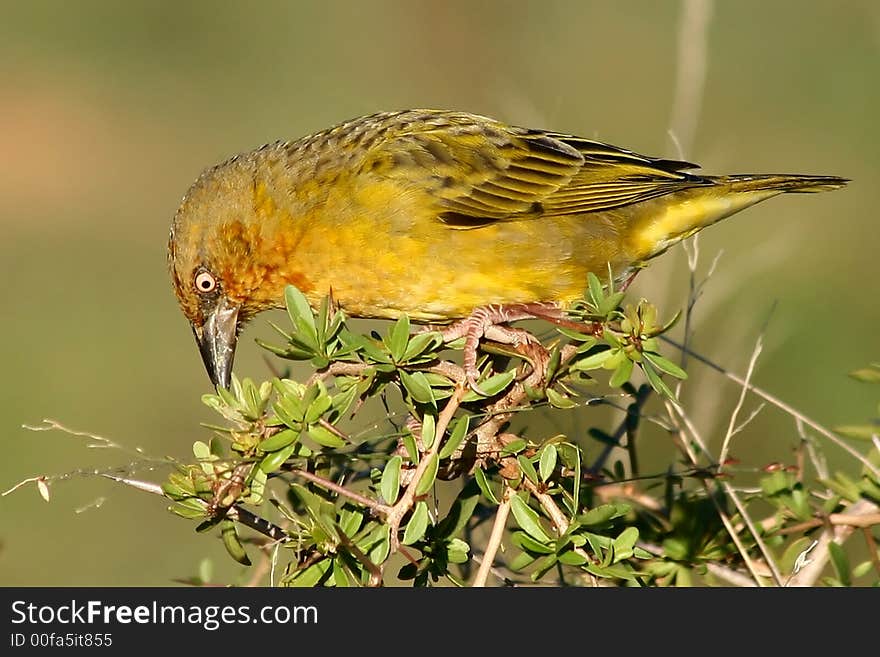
205	282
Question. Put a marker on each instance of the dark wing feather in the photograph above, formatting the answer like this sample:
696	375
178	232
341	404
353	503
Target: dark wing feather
479	170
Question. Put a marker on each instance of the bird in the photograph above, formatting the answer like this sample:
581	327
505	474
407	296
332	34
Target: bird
452	218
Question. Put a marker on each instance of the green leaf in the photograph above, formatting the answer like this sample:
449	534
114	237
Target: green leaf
320	405
571	558
840	562
409	443
547	464
350	521
525	465
577	336
429	430
601	515
527	518
300	312
621	374
398	338
190	508
429	475
256	488
525	542
593	361
617	571
862	569
232	543
490	386
325	437
389	486
461	511
483	482
289	410
623	545
595	289
656	382
558	400
858	431
420	343
457	551
311	575
418	387
522	561
843	485
274	460
867	374
379	552
340	578
202	452
281	439
417	525
459	431
610	303
514	446
543	565
665	365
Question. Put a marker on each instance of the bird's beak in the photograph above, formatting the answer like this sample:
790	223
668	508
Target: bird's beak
216	339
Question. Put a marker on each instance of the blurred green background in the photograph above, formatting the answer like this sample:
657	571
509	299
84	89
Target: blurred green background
109	110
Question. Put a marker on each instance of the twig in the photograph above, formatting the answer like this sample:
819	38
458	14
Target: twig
731	427
374	505
557	517
779	404
730	575
243	516
495	537
363	559
675	411
99	441
809	574
862	521
395	513
40	480
721	572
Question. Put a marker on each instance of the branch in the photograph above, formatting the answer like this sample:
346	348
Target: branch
809	574
779	404
498	528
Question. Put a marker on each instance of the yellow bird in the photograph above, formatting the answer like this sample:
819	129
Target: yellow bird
438	214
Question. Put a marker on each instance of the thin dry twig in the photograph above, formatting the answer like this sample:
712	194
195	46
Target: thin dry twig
557	517
498	527
731	427
775	401
863	521
374	505
838	533
395	514
676	412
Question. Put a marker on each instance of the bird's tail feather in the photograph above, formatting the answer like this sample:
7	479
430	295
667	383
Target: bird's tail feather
782	183
682	214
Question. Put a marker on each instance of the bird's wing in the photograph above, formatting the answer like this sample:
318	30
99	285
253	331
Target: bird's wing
479	171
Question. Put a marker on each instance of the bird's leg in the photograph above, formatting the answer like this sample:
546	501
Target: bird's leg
487	321
554	314
629	279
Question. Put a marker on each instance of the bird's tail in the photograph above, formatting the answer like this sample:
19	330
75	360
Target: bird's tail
676	216
781	183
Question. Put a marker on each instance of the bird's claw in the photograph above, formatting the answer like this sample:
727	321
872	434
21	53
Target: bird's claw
484	322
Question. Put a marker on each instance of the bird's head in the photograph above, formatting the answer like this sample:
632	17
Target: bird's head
228	257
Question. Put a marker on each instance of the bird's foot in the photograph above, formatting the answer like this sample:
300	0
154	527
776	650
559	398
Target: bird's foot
488	322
